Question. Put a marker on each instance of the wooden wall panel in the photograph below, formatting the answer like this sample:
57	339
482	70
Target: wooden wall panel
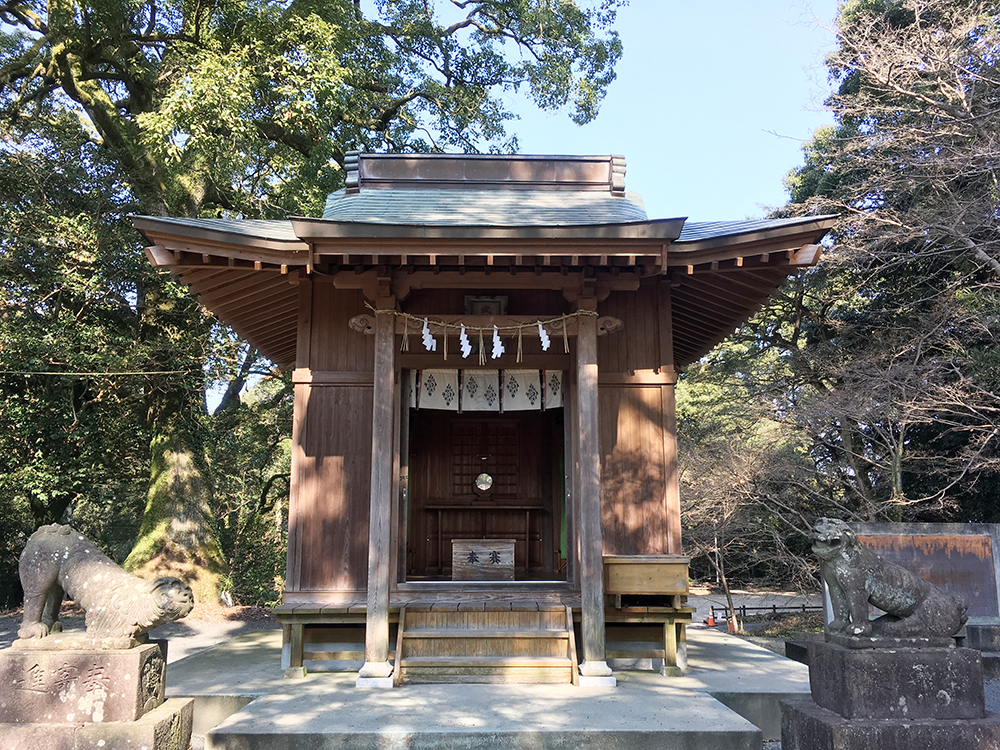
334	345
328	534
633	474
638	346
331	459
519	301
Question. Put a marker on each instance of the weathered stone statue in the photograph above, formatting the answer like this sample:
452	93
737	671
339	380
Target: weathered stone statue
120	608
899	682
857	577
104	688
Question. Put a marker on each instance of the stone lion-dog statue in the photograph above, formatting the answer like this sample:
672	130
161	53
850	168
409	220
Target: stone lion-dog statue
120	608
856	577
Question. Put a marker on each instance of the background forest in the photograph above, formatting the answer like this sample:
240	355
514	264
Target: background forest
872	380
868	389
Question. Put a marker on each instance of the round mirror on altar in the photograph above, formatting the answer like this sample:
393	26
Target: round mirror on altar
483	483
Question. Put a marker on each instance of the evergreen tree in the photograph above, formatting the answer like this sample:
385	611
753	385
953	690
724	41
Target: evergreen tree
239	108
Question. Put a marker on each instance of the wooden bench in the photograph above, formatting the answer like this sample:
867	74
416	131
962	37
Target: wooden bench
646	613
308	629
649	633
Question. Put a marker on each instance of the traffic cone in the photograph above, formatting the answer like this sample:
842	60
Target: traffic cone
711	617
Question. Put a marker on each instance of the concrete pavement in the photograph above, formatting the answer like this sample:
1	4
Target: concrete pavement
728	699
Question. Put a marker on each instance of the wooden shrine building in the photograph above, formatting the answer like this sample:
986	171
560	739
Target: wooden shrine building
484	469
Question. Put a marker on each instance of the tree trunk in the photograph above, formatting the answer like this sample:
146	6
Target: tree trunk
177	536
716	561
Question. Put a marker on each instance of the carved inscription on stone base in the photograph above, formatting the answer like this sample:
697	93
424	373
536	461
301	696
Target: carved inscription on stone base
79	686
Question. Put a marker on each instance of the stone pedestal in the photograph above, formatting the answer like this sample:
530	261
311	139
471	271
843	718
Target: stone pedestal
806	726
903	698
905	683
57	686
55	695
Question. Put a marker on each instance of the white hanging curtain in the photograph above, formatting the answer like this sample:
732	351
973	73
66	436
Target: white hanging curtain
553	381
485	390
480	390
522	390
434	389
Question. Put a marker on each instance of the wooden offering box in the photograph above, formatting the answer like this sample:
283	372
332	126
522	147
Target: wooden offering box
646	574
482	560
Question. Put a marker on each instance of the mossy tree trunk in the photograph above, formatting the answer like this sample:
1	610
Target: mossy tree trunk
210	109
177	536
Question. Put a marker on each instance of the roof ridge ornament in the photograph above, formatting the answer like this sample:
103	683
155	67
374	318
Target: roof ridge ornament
352	166
618	175
583	173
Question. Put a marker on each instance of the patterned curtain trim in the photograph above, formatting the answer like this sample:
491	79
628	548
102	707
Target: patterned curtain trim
486	390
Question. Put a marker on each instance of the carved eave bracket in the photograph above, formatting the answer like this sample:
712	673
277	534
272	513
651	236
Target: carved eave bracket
608	324
363	324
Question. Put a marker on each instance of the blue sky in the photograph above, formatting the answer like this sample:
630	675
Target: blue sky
711	105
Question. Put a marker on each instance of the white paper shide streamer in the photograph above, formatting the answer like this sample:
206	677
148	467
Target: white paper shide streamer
464	344
498	349
544	336
430	343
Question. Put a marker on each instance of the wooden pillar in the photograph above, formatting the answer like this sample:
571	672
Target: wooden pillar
671	475
668	407
300	462
594	670
572	452
377	669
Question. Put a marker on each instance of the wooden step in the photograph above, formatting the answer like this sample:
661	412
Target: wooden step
494	669
479	646
485	633
485	620
487	661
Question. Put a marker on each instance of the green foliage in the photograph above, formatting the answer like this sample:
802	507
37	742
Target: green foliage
235	108
252	467
910	291
749	485
875	374
71	446
249	106
66	440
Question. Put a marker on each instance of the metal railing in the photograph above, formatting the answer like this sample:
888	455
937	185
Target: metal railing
722	613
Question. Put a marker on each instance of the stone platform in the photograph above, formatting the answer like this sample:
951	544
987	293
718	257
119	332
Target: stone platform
728	700
417	717
809	727
166	727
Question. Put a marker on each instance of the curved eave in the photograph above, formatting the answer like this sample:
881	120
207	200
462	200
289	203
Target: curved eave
271	242
244	273
718	283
